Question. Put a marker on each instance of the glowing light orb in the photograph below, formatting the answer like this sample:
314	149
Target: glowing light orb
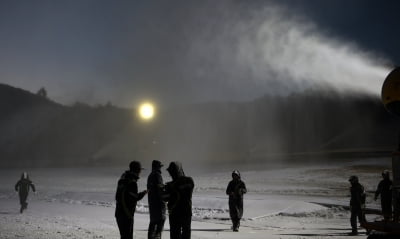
146	111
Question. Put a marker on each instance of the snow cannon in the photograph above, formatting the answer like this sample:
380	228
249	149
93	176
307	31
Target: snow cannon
391	92
391	100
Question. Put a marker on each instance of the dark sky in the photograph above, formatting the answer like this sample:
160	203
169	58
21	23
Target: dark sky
175	52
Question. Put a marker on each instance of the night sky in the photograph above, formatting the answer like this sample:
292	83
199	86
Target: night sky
178	52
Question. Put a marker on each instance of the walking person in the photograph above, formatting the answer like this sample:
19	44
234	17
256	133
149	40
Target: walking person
157	206
126	198
384	189
22	187
357	204
179	196
236	188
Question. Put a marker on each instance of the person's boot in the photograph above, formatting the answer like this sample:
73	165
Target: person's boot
236	226
353	233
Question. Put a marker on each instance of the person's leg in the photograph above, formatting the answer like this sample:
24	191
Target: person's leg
186	227
353	221
159	228
174	228
151	233
22	201
125	226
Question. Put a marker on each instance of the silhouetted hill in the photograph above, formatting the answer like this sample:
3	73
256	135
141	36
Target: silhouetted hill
39	132
299	127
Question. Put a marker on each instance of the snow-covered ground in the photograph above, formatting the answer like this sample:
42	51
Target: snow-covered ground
282	202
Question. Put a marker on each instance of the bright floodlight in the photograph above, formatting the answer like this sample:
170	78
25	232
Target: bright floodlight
146	111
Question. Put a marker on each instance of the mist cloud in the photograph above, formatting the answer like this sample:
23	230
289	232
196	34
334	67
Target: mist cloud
189	51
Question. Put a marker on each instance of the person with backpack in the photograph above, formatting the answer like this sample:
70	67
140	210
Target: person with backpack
236	188
357	204
22	187
126	198
385	191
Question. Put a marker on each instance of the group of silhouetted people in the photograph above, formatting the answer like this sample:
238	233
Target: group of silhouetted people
176	196
358	199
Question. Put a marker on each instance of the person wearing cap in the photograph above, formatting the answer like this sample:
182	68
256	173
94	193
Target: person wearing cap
357	204
178	194
22	187
236	188
384	189
157	206
126	197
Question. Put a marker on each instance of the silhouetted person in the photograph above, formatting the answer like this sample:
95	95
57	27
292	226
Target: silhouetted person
357	204
157	207
385	190
179	196
126	197
22	187
236	188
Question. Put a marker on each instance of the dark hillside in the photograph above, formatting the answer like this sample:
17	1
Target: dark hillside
302	127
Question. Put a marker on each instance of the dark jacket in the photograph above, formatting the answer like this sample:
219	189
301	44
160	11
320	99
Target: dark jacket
236	189
385	190
179	191
357	195
23	185
155	189
127	195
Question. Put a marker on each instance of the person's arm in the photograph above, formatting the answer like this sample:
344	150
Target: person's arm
17	186
229	189
133	192
160	186
243	189
32	186
378	190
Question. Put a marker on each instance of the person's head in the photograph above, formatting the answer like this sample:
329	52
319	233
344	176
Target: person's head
24	175
386	174
353	179
156	165
175	170
235	175
135	167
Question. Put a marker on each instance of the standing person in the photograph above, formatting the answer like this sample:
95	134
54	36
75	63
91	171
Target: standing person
179	196
157	206
236	188
385	190
357	204
22	187
126	198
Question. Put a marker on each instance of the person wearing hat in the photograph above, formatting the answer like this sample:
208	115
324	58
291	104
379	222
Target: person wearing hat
236	188
157	206
385	190
178	194
357	204
126	197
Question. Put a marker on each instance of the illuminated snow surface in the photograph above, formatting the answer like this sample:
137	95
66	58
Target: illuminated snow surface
281	202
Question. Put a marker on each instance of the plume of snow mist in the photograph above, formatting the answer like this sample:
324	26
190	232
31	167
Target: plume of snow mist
280	54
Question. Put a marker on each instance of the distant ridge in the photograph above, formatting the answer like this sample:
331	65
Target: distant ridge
14	99
304	127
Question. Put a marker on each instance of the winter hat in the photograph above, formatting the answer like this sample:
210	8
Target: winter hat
135	166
